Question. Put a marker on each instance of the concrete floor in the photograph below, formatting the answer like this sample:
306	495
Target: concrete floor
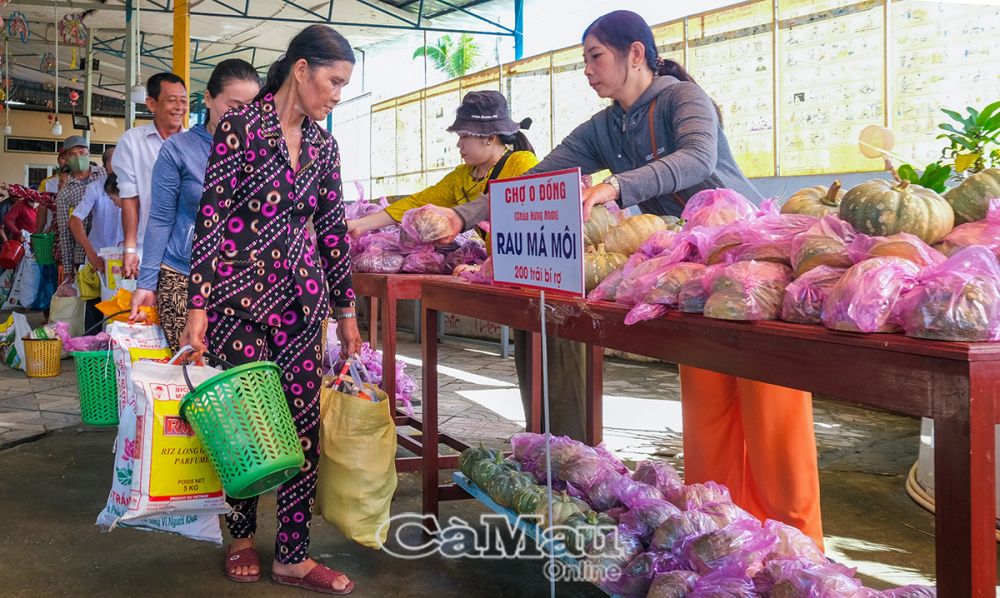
54	478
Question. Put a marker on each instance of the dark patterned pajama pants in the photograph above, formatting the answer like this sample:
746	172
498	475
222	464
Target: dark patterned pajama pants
295	347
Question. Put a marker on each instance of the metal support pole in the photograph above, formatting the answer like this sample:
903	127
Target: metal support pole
518	29
182	45
131	60
88	82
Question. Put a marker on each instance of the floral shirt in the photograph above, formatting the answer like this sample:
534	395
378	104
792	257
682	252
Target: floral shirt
252	255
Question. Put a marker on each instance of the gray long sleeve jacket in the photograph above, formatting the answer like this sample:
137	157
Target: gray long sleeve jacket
692	149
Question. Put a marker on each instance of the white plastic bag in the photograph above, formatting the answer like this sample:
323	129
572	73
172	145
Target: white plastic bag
27	279
12	333
131	342
171	471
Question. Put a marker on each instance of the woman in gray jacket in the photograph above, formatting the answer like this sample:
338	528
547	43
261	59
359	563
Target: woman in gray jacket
663	140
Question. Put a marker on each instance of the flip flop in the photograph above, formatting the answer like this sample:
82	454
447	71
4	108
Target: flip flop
319	579
246	557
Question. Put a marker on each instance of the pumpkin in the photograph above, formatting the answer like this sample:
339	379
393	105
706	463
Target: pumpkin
563	505
673	223
599	263
627	236
484	470
595	229
580	529
971	199
527	499
470	456
502	486
882	208
816	201
425	224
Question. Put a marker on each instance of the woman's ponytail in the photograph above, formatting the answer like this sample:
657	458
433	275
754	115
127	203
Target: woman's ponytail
519	141
276	75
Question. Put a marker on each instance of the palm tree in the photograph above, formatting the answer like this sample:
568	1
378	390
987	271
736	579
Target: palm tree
451	57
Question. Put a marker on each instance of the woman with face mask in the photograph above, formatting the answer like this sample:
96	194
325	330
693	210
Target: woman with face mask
260	287
491	147
178	181
663	140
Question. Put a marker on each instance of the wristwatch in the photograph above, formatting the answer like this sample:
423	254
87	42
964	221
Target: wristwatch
613	181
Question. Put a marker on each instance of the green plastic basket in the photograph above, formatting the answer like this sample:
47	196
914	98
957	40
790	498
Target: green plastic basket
43	248
243	420
95	379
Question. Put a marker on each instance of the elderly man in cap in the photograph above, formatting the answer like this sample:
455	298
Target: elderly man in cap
83	172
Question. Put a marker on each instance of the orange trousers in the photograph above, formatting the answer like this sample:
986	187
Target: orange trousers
758	440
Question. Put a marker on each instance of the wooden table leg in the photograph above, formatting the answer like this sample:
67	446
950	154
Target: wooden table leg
965	518
534	381
373	308
430	418
389	344
595	394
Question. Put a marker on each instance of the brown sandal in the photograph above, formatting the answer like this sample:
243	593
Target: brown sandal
243	558
319	579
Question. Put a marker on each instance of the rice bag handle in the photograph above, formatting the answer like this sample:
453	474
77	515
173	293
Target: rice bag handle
103	322
184	367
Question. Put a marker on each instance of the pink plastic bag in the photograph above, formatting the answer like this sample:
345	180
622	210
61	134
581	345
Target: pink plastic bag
652	273
808	580
806	295
677	528
470	254
957	300
659	242
100	342
981	232
645	516
425	261
637	576
743	543
607	290
673	584
727	582
792	544
660	475
360	207
600	491
748	291
693	496
902	245
425	224
716	207
865	297
484	275
822	244
724	513
612	552
383	240
695	291
378	261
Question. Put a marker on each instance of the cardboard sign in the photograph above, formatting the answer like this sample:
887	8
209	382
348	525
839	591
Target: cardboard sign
536	231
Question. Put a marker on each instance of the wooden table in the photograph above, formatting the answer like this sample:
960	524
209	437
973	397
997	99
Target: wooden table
383	292
956	384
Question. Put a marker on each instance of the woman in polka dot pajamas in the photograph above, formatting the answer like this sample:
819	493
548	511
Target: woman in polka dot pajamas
261	286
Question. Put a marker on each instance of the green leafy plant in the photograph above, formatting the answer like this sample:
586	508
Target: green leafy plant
934	176
973	141
452	57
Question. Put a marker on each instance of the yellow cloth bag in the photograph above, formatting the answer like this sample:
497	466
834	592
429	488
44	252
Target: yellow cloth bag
88	282
357	466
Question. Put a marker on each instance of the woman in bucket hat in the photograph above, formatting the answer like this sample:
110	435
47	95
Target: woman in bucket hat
491	146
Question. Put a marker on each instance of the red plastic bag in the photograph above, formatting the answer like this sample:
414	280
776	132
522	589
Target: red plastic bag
864	298
11	253
957	300
806	295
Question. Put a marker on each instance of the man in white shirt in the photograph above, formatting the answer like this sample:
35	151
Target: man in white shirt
135	154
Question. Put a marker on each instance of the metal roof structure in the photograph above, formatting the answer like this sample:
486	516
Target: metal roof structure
255	30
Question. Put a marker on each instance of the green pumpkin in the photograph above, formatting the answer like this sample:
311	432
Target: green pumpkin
582	528
626	236
882	208
505	484
483	470
673	223
470	456
971	199
595	229
527	499
598	264
563	505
